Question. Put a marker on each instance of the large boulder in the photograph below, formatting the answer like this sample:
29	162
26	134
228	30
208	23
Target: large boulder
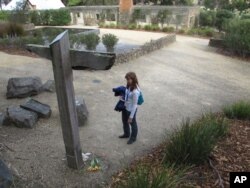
82	111
6	177
49	86
20	117
42	110
23	87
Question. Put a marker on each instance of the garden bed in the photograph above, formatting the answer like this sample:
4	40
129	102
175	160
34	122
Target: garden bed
230	154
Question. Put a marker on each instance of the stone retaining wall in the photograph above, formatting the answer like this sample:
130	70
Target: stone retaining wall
145	49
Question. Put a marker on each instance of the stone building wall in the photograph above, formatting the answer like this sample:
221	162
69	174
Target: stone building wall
92	15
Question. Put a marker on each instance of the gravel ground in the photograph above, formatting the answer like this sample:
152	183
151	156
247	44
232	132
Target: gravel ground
183	79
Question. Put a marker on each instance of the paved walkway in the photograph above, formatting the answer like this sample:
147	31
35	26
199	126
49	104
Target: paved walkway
181	80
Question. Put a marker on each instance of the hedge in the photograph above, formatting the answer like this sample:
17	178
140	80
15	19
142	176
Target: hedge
237	36
58	17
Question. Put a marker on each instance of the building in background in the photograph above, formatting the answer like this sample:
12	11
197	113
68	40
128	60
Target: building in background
34	4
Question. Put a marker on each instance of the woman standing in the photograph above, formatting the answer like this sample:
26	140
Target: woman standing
131	102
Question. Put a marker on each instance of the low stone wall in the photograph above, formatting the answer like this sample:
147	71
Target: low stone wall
217	43
145	49
79	59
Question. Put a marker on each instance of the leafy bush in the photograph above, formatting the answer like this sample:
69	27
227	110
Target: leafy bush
109	41
245	16
204	32
222	16
132	26
60	17
91	41
146	177
57	17
4	15
148	27
181	31
155	28
237	37
11	30
112	25
207	18
239	110
168	29
193	143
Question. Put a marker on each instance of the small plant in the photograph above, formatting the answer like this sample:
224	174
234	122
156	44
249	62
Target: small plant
155	28
112	25
239	110
91	41
132	26
148	27
181	31
202	31
146	177
168	29
193	143
109	41
95	165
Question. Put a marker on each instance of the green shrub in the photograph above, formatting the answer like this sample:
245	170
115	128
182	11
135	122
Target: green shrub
57	17
168	29
109	41
91	41
239	110
148	27
207	18
35	18
204	32
132	26
245	16
112	25
60	17
193	143
4	15
222	17
146	177
181	31
155	28
237	37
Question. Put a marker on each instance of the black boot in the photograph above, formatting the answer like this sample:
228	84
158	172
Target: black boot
131	141
123	136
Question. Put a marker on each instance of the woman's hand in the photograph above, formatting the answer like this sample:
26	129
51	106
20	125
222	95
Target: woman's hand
130	120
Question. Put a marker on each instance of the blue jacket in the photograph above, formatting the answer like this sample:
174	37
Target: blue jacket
120	91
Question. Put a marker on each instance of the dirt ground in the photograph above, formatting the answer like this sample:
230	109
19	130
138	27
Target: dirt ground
181	80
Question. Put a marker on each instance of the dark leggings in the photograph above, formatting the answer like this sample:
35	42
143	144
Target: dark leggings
126	128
